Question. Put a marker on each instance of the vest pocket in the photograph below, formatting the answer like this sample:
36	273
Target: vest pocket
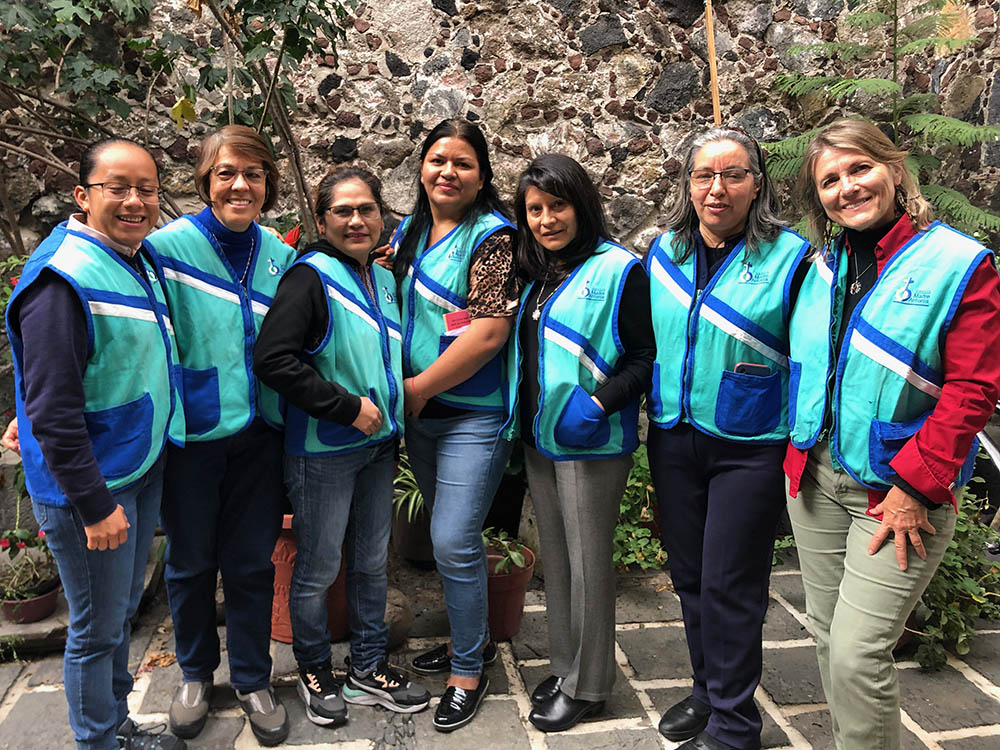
885	439
202	409
122	436
337	435
582	423
654	403
748	405
483	383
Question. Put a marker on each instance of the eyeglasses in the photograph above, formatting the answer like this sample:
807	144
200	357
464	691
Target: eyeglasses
704	178
225	175
119	191
365	210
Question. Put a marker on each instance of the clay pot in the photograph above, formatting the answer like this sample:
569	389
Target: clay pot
412	541
283	558
506	595
36	608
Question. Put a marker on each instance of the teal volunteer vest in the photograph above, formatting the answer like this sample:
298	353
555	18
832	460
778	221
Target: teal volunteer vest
132	394
217	323
888	374
361	350
437	285
579	348
701	336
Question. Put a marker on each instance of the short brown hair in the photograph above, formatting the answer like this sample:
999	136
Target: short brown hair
863	136
246	142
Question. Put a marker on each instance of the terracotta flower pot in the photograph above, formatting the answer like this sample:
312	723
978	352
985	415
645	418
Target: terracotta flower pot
506	595
31	610
283	558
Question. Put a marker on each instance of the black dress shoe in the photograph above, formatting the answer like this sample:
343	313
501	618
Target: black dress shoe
704	741
560	712
438	660
685	720
458	706
545	690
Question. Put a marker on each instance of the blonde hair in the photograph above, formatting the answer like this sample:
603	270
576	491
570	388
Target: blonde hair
863	136
246	142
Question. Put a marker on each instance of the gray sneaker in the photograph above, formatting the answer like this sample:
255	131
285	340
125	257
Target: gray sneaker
189	709
385	686
320	691
268	718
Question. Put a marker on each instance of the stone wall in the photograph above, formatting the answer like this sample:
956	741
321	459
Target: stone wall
619	85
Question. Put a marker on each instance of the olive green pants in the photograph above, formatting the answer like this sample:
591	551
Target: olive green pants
857	603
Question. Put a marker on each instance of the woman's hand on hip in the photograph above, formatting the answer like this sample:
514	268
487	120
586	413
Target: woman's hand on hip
903	517
369	419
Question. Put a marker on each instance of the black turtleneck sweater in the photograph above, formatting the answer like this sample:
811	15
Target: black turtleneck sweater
297	322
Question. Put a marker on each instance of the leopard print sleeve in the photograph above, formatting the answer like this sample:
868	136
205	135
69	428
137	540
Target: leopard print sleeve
494	290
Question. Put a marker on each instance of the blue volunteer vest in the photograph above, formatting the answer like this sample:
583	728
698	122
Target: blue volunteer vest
217	323
130	384
701	336
361	350
579	348
437	284
888	374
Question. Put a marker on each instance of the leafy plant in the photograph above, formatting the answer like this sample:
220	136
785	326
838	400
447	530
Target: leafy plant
406	493
511	551
914	122
634	541
30	570
782	545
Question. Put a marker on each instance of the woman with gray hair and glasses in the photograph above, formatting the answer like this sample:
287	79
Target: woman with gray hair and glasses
720	281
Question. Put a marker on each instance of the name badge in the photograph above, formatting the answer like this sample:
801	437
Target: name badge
456	322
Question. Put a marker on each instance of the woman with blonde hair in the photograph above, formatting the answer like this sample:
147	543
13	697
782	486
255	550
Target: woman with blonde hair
893	352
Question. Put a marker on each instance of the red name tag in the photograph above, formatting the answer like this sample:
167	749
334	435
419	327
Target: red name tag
456	322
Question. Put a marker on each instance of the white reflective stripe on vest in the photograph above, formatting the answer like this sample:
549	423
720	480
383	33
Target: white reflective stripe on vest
394	334
824	271
259	308
182	278
577	351
424	291
729	327
352	306
661	275
113	310
871	350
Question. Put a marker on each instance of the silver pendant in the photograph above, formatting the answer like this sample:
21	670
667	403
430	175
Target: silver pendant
536	314
855	287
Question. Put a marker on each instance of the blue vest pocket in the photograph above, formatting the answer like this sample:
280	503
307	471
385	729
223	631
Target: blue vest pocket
748	405
654	404
885	439
122	436
337	435
202	409
483	383
582	423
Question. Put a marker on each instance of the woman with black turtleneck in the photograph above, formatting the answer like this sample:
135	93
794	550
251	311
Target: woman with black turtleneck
894	347
720	283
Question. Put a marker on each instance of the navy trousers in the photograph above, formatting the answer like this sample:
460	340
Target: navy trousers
222	507
719	506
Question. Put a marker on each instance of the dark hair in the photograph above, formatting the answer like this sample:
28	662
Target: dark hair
246	142
323	196
564	178
88	160
764	219
487	199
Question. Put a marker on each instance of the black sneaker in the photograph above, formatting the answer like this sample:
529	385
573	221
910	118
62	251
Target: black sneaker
320	692
438	660
458	706
133	737
385	686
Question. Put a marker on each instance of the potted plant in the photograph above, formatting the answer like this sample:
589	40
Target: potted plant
29	578
411	522
511	565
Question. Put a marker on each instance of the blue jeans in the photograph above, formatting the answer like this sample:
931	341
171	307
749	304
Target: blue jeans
341	501
458	463
103	589
222	507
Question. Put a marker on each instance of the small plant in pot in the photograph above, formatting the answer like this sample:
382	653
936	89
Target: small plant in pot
511	565
411	522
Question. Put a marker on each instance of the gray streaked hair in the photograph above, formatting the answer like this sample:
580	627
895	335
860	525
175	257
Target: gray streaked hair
764	220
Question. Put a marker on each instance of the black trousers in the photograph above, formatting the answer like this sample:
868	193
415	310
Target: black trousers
719	505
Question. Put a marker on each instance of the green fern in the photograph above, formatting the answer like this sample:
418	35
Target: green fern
917	103
797	85
956	209
944	130
919	45
846	51
868	21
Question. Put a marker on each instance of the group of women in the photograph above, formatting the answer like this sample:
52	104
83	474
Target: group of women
852	372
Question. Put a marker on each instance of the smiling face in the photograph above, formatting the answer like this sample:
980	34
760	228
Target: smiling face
238	202
353	222
855	190
451	176
551	219
722	208
126	222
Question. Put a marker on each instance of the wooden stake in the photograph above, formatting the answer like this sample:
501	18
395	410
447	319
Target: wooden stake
712	71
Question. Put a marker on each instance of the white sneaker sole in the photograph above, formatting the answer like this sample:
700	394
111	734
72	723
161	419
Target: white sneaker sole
315	718
363	698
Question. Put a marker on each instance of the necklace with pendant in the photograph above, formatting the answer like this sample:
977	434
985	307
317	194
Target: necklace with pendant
253	246
856	284
537	312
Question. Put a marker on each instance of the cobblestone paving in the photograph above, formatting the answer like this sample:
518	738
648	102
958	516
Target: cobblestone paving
956	708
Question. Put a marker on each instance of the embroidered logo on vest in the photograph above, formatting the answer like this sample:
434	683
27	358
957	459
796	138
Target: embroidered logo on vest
590	293
749	276
151	275
456	254
907	296
389	297
273	268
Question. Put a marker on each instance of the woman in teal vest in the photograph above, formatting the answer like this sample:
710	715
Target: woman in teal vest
580	359
895	368
331	345
458	293
223	493
720	281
